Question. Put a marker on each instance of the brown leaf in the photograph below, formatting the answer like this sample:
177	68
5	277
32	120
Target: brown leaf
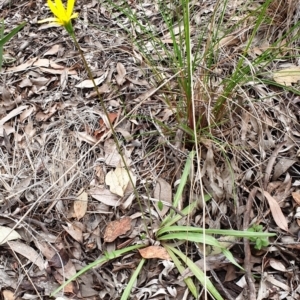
276	212
282	166
120	78
74	232
59	259
89	83
8	295
155	252
27	252
12	114
118	180
105	196
69	288
80	205
277	265
53	50
163	192
296	197
116	228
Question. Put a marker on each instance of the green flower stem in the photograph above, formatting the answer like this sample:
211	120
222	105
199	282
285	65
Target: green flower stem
107	116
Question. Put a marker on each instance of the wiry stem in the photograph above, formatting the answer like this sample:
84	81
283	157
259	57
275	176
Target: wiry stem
109	121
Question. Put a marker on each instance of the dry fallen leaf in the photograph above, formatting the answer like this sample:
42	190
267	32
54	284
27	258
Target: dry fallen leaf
155	252
27	252
6	234
69	288
12	114
112	156
282	166
276	212
163	192
8	295
89	83
116	228
296	197
118	180
80	205
105	196
74	232
53	50
277	265
120	78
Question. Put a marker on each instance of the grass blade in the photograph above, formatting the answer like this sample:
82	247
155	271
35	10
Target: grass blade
133	278
197	272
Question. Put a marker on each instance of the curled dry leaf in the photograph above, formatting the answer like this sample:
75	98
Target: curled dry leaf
155	252
277	265
276	211
80	205
89	83
118	180
116	228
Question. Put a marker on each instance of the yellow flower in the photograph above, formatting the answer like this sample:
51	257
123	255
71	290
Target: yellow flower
62	16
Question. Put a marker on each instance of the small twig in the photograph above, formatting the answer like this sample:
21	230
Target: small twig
247	249
35	222
215	276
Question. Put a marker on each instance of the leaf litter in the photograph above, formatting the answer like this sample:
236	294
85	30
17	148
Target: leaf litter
50	120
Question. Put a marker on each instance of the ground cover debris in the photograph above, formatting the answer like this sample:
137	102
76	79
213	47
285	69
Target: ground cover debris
198	199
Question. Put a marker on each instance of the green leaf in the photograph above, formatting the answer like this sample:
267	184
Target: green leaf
126	293
192	237
237	233
171	219
107	257
160	205
7	37
188	281
197	272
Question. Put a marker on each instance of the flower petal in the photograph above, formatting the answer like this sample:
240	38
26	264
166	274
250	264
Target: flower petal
47	20
53	8
70	7
60	7
75	15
